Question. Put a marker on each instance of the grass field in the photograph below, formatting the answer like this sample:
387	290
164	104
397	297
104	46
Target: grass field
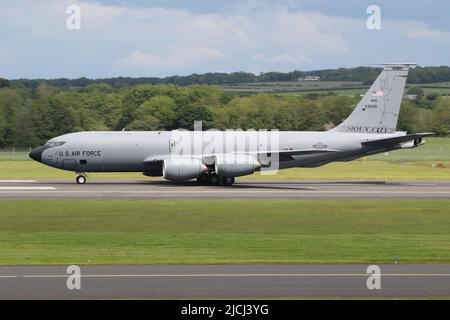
349	88
355	170
12	154
434	149
366	170
338	92
295	87
228	231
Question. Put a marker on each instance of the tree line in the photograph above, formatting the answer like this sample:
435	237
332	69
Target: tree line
365	75
29	117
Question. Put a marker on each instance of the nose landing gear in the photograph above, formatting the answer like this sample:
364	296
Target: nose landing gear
81	179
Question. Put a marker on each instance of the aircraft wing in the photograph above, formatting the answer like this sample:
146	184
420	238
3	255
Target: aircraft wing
287	155
152	159
283	155
417	137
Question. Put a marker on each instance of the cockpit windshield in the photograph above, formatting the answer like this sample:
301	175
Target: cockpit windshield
54	143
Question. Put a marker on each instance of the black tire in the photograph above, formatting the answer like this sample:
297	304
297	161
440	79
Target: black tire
81	179
227	181
214	179
203	179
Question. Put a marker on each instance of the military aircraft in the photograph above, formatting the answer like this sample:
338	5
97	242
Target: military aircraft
217	157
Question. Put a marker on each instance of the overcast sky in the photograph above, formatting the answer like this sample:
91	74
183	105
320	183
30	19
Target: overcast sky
168	37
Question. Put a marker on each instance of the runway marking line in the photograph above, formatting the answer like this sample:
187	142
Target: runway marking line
163	192
26	188
230	275
17	181
223	191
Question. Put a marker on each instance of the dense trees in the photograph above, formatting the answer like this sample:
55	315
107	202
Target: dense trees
416	91
11	103
362	74
440	118
29	117
156	113
4	83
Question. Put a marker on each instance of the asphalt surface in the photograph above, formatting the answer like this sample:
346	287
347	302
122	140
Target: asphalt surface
23	189
224	281
233	281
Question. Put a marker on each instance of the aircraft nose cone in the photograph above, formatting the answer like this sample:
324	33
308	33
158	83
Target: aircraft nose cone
36	153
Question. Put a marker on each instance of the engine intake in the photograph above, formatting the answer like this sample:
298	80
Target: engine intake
235	165
181	169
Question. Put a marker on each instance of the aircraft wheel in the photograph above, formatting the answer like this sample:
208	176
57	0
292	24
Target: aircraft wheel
227	181
81	179
203	179
214	179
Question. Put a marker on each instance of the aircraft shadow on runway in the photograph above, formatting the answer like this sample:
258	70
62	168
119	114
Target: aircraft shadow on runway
279	185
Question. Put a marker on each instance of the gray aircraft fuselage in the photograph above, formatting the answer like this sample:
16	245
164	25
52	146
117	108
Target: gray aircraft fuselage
125	151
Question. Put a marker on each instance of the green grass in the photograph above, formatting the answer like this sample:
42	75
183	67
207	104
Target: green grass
355	170
295	87
37	171
366	170
339	92
12	154
338	87
443	91
224	231
435	149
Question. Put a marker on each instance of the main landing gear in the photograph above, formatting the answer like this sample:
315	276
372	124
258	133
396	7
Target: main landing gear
214	180
227	181
81	179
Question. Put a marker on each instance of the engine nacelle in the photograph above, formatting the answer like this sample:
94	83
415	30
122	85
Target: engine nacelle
235	165
408	145
412	144
180	169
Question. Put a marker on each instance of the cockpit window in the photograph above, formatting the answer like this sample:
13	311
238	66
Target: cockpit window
55	143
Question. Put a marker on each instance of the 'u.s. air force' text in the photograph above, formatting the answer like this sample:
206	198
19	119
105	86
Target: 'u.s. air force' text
86	153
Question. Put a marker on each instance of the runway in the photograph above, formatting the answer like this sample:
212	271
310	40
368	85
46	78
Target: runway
225	281
153	189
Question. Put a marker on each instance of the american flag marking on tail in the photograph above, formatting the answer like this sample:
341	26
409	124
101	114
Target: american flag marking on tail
377	94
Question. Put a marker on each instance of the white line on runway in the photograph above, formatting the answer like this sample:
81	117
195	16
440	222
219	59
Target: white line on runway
26	188
159	192
239	275
17	181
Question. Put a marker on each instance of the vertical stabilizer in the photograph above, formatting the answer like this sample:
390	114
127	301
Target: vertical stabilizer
377	112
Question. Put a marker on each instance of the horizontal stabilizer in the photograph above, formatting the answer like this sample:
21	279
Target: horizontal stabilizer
397	140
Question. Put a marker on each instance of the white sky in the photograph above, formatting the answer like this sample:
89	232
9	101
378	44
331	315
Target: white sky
162	38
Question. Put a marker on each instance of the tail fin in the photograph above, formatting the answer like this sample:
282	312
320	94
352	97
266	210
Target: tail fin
377	112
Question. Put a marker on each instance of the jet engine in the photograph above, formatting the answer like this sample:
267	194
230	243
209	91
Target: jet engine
235	165
180	169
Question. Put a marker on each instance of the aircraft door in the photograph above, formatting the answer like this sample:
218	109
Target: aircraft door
69	164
